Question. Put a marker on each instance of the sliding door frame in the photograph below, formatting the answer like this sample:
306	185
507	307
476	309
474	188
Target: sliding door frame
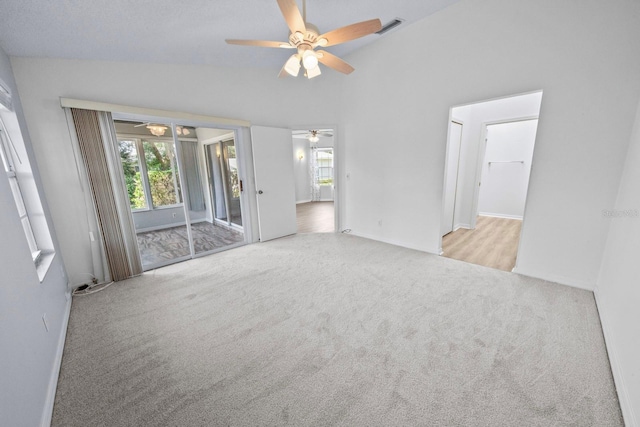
173	121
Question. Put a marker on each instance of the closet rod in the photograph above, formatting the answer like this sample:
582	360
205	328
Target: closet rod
509	161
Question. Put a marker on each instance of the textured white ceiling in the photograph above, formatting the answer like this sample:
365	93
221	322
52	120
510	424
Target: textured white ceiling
186	32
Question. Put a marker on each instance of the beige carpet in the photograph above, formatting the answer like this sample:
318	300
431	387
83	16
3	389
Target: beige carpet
331	329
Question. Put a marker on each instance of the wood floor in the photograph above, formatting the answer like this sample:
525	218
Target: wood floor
494	243
315	217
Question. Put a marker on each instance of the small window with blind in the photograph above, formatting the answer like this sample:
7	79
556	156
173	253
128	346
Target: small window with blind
324	160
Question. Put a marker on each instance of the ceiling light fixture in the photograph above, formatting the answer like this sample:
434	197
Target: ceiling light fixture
305	38
313	137
313	72
292	66
157	130
309	60
182	130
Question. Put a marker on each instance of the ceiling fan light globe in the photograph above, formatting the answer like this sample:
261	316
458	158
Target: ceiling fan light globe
292	66
313	138
309	60
313	72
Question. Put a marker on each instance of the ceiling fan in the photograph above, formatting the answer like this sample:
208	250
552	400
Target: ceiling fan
305	37
312	135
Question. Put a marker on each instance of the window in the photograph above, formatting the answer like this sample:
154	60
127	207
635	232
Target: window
10	169
324	161
152	179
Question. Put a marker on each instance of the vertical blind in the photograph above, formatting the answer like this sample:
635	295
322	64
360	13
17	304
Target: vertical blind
192	175
97	142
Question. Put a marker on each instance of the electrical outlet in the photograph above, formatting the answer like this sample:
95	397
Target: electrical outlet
44	320
174	214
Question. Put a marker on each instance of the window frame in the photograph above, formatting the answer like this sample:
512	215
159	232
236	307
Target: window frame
14	183
144	172
318	176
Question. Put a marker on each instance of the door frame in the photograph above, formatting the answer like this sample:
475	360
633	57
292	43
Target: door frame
445	181
338	197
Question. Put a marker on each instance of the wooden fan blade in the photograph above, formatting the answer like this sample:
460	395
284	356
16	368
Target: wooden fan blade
350	32
260	43
292	15
334	62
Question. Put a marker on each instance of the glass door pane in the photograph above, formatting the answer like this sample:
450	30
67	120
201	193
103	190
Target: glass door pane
233	182
209	193
216	183
152	176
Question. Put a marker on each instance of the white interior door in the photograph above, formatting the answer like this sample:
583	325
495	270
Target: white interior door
451	177
275	185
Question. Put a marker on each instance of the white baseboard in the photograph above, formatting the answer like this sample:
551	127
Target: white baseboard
47	411
461	225
504	216
303	201
326	200
562	280
628	414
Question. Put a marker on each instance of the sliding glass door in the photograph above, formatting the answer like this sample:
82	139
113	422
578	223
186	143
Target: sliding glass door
166	175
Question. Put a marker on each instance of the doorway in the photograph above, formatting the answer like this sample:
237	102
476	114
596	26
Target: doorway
314	173
167	179
488	163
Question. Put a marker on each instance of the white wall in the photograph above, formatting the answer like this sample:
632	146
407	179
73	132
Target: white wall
30	354
618	293
395	112
505	169
301	169
256	95
475	116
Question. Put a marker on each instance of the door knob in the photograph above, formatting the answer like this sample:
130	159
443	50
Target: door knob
260	191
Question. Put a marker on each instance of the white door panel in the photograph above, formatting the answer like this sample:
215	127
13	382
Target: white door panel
275	185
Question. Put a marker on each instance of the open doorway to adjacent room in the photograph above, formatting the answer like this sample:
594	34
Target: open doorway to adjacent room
488	163
314	160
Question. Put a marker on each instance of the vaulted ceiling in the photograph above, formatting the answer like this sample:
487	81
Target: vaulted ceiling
185	32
